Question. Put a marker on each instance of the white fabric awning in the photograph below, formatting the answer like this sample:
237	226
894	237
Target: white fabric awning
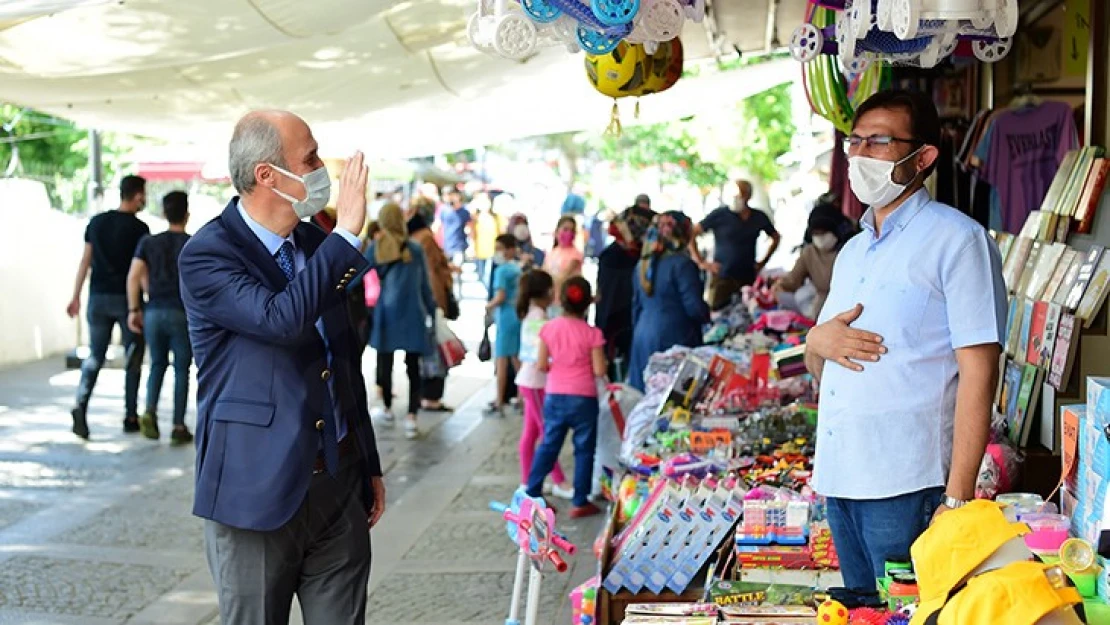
394	78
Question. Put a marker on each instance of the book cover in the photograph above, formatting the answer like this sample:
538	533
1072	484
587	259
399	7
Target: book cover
1070	277
1013	324
1043	270
1036	333
1063	353
1077	179
1066	259
1059	182
1005	242
1015	262
1051	327
1011	383
1086	272
1030	264
1032	226
1013	330
1092	196
1026	403
1095	295
1023	333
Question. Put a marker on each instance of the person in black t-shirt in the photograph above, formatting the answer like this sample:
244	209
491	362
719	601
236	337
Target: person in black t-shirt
110	241
163	321
735	231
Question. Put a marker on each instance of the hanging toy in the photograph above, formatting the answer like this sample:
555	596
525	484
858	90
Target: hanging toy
499	30
907	18
663	67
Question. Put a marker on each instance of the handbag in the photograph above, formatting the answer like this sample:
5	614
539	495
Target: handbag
452	313
451	349
485	348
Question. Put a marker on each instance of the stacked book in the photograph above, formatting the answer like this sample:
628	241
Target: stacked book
1055	291
1073	197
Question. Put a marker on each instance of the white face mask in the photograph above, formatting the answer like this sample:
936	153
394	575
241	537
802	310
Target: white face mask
824	241
870	179
521	232
317	185
499	258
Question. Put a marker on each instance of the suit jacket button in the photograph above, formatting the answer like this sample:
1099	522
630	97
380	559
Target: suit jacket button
325	375
339	287
320	425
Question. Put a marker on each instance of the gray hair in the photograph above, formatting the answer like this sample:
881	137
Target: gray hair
255	140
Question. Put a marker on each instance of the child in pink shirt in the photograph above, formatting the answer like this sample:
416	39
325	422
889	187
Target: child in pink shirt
572	353
533	297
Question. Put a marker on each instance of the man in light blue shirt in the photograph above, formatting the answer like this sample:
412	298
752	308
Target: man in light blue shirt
906	347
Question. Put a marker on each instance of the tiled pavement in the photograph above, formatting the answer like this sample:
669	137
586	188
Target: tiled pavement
100	533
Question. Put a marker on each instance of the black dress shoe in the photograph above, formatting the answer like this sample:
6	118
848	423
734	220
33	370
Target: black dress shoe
80	425
131	425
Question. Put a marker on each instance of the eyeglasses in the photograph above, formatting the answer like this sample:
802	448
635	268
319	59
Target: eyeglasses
877	141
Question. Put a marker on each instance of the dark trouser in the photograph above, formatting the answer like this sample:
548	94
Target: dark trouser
562	413
106	311
166	329
322	555
431	389
868	532
723	290
385	379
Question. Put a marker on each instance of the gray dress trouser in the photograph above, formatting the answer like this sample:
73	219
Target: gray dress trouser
322	555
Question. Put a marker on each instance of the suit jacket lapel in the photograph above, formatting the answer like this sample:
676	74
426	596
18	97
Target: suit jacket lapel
252	247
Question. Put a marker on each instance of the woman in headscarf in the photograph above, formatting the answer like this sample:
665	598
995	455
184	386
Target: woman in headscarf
405	306
827	231
440	278
616	266
667	304
530	255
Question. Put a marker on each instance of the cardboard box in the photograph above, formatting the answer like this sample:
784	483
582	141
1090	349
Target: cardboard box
1098	401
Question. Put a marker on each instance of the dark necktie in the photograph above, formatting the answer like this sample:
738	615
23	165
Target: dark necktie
284	258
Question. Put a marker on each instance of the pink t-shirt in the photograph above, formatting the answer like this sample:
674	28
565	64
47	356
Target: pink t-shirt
570	343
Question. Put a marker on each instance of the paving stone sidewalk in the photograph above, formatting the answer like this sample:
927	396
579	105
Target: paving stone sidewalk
100	533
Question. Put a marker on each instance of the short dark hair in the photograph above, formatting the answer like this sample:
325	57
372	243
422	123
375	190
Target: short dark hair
576	296
924	119
131	186
175	207
507	241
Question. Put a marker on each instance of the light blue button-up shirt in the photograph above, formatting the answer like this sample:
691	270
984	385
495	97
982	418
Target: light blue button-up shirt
273	242
930	283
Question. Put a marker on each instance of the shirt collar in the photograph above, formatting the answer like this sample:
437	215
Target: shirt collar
271	241
901	216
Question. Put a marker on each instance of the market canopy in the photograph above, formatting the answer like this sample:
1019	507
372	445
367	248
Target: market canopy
394	78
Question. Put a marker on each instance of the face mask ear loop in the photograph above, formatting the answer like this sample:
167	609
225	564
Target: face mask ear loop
908	157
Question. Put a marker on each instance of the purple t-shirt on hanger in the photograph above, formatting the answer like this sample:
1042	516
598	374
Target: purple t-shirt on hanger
1024	149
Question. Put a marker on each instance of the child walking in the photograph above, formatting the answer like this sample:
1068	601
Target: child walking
572	353
534	296
502	308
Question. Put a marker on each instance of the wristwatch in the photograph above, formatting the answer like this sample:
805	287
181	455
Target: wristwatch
953	503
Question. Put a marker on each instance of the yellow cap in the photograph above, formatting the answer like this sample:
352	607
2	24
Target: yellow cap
956	543
1020	593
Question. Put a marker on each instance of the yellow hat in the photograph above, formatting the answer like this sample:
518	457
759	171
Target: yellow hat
1020	593
957	543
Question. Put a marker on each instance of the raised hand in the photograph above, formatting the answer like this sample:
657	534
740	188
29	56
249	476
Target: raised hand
350	208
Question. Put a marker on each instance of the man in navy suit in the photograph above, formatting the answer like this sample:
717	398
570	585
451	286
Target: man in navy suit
288	476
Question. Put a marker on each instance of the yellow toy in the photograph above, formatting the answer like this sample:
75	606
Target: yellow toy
619	73
832	613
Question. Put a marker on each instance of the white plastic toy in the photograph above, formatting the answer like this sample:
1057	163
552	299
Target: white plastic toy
504	31
909	18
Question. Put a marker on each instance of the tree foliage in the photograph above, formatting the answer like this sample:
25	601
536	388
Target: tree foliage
670	146
56	152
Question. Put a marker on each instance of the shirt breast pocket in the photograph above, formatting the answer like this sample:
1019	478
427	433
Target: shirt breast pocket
895	311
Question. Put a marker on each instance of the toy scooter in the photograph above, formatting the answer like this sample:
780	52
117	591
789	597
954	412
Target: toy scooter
530	524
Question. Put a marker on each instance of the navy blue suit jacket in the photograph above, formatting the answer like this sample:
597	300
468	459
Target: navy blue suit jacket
263	370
